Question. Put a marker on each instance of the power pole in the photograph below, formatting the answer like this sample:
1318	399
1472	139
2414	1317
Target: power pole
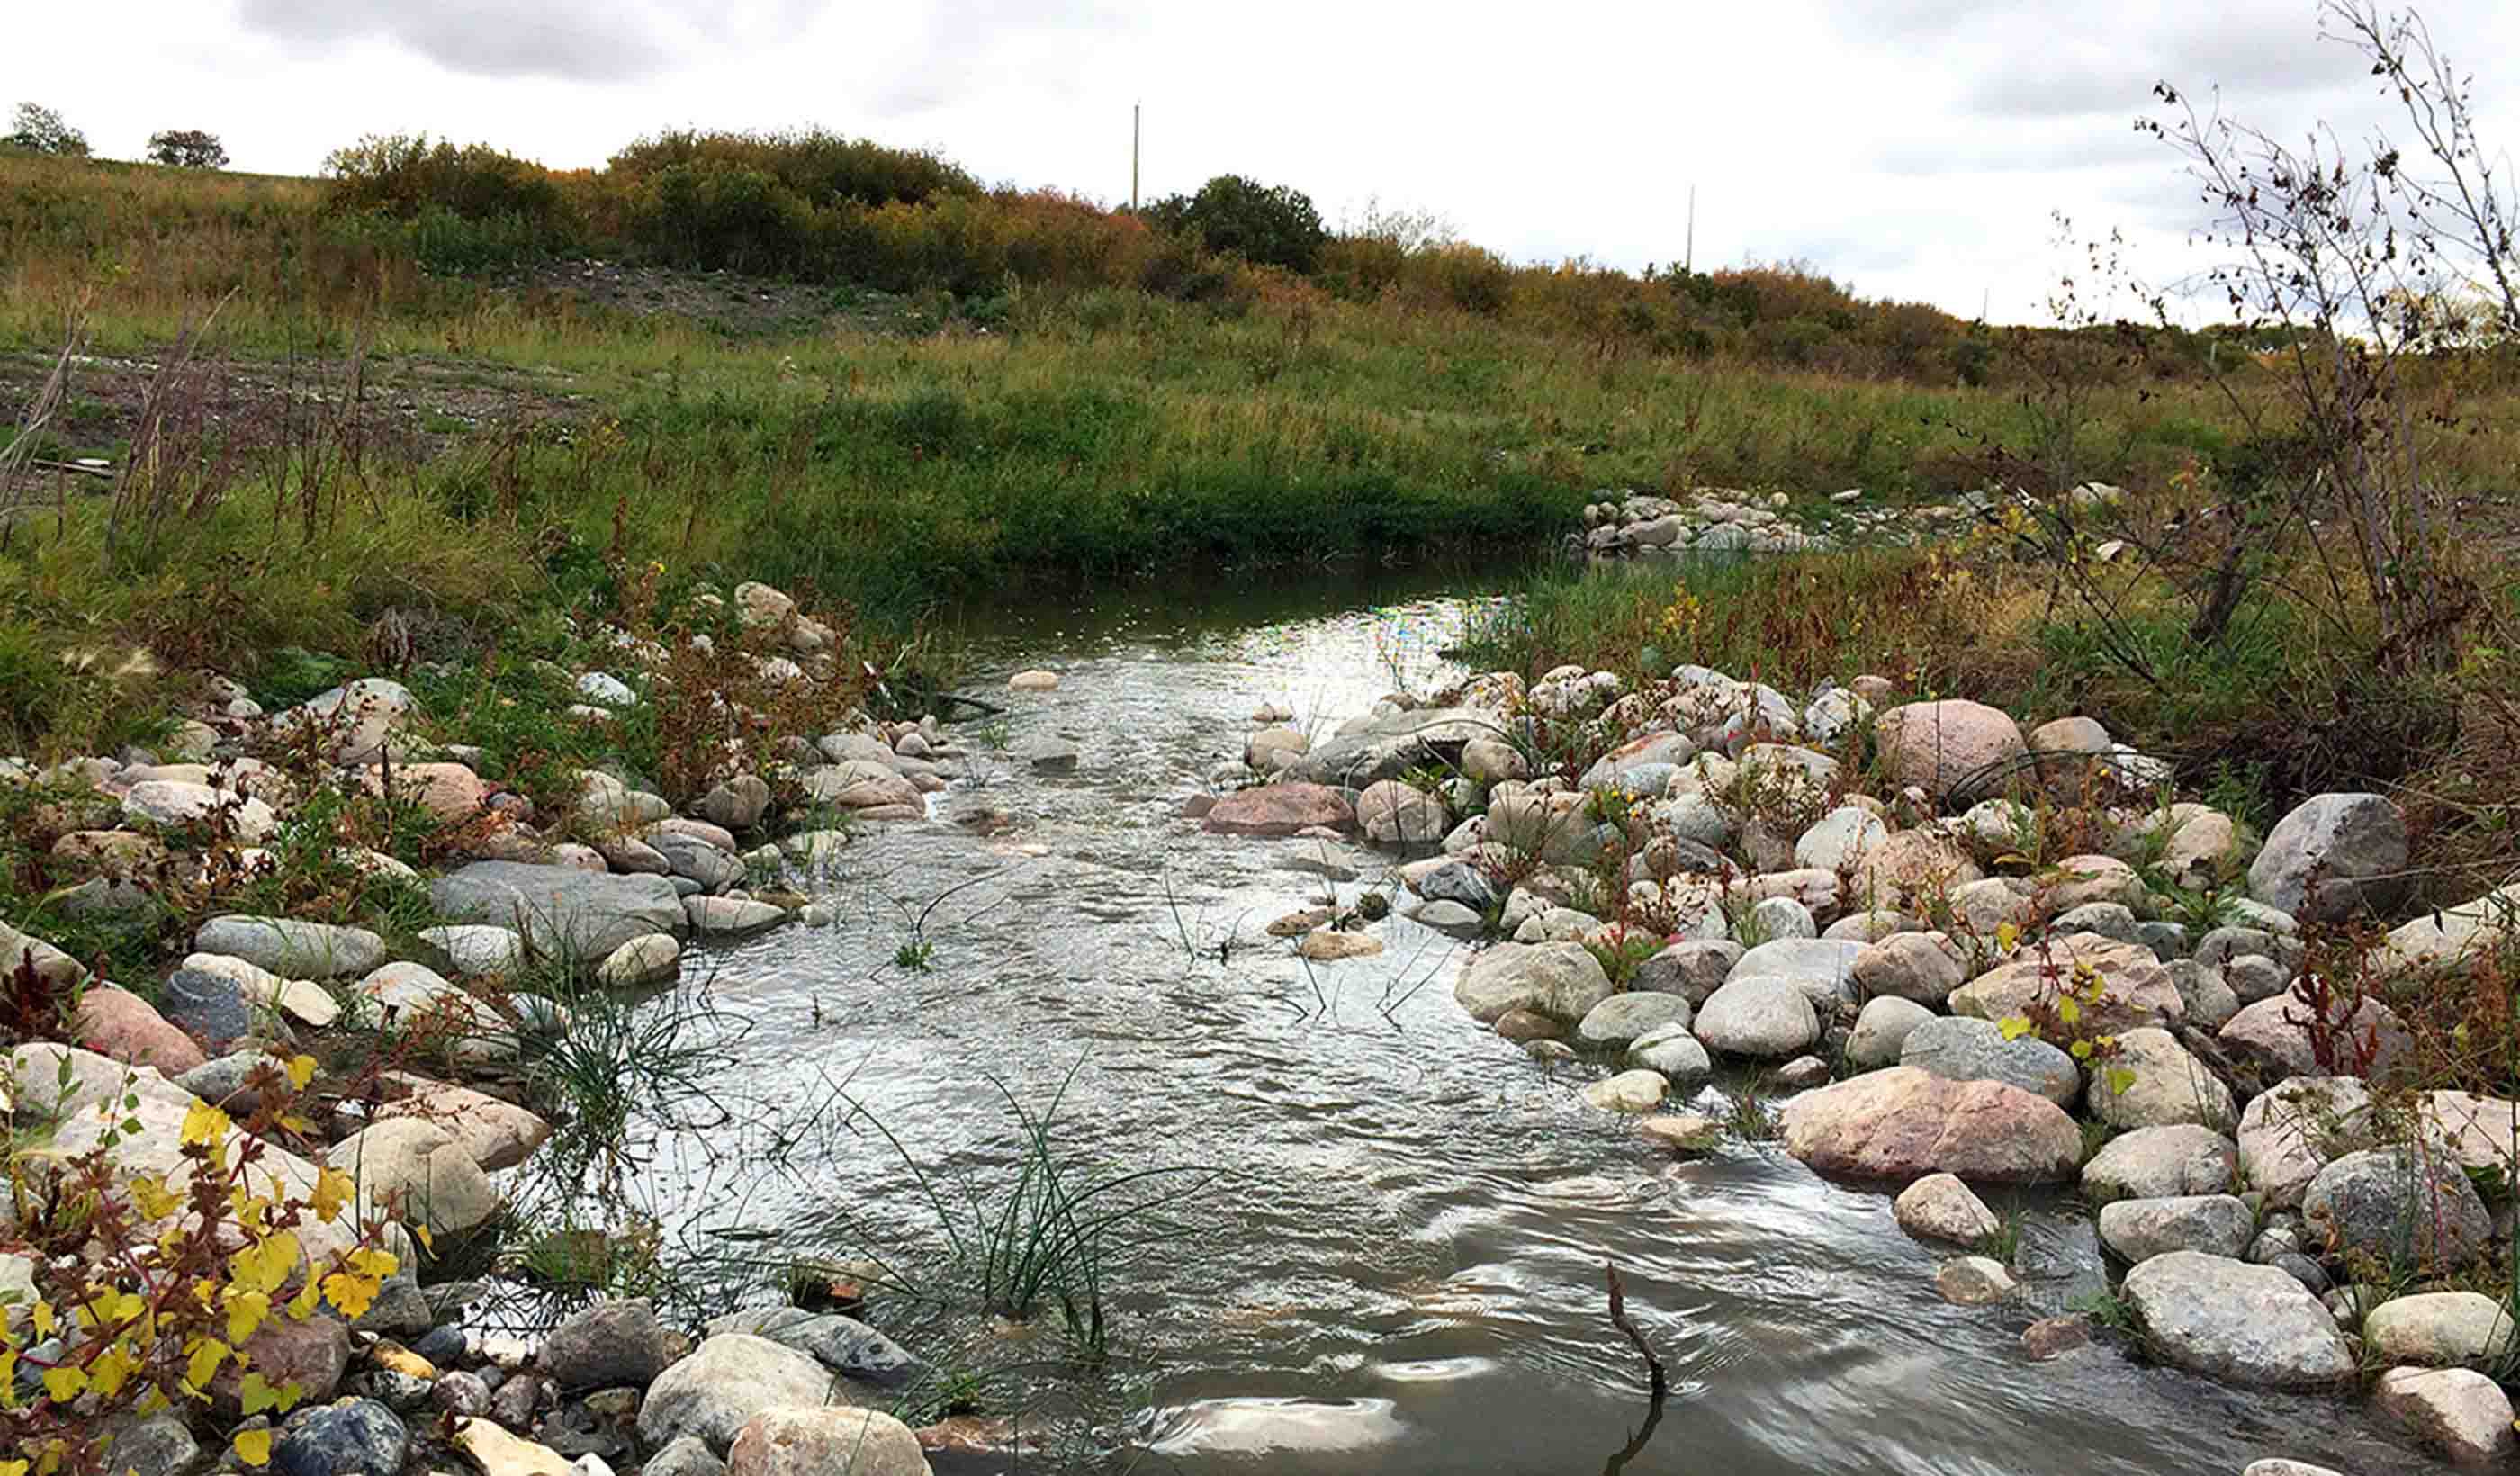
1689	262
1136	121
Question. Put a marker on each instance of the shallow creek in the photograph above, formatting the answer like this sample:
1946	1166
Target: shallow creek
1403	1272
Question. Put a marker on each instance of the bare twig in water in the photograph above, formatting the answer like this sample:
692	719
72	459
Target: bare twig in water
1619	1319
1653	1371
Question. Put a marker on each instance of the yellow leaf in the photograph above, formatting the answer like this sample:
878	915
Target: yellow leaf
2014	1026
46	1320
301	1070
375	1260
245	1312
333	1189
2005	936
207	1355
256	1394
13	1468
428	1241
253	1448
350	1296
64	1384
204	1124
303	1304
149	1194
265	1265
2068	1008
112	1369
2081	1049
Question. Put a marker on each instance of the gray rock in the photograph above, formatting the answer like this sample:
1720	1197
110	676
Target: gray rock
1379	748
291	948
159	1445
844	1345
2109	919
2290	1132
1963	1049
1049	755
1692	970
609	1344
205	1004
399	1311
476	950
737	804
2224	944
2458	1412
1619	1021
562	912
732	1377
2247	1325
1672	1051
1882	1030
1458	881
2439	1330
2167	940
2210	1002
1560	980
1823	970
2275	1465
2162	1163
2274	1035
1451	918
2138	1229
2253	977
684	1456
216	1080
2402	1208
52	965
2335	855
1761	1017
460	1393
356	1437
690	855
1782	917
2150	1081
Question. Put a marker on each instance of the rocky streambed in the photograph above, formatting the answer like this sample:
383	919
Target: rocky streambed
1434	1123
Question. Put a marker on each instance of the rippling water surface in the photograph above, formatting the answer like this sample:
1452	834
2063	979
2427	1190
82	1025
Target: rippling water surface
1403	1270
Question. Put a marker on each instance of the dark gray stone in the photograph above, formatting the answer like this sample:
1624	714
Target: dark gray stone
1965	1050
684	1456
1461	882
442	1346
204	1004
2399	1207
159	1445
1370	748
610	1343
355	1437
844	1345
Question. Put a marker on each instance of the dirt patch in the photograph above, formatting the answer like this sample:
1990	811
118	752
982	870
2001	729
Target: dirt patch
726	302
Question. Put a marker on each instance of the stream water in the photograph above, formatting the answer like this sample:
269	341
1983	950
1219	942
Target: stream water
1401	1271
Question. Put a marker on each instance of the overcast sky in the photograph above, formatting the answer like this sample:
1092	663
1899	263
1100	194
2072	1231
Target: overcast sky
1912	148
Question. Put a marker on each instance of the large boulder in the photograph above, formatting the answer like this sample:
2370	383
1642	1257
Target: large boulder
1692	969
2445	940
2161	1163
1560	980
2335	855
496	1134
1953	748
1924	967
1370	748
1621	1019
2399	1207
844	1345
175	803
1963	1049
413	1169
2290	1132
1903	1124
563	913
820	1441
1280	810
292	948
118	1023
1763	1016
1392	813
2280	1036
731	1377
2138	1229
2135	986
356	1437
2151	1081
1909	871
2439	1330
2458	1412
1821	967
2247	1325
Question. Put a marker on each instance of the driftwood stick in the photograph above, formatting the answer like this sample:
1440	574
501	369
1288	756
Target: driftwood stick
1619	1319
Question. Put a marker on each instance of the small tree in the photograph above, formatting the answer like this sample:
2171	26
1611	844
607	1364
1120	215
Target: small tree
38	129
188	149
1271	224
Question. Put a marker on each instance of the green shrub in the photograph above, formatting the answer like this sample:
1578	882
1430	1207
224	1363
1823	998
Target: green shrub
1273	225
404	174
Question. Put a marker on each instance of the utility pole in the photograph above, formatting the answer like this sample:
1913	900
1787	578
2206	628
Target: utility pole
1137	128
1689	262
